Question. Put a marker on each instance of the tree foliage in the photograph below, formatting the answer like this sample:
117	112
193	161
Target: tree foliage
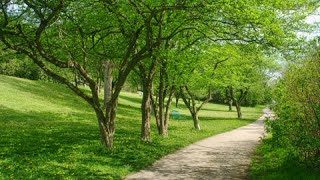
243	75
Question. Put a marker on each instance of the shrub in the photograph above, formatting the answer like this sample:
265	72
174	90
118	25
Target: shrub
298	110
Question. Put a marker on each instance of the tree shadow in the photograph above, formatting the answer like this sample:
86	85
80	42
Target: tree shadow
208	118
136	100
226	119
219	110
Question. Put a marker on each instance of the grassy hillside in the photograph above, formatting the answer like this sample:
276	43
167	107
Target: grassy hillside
48	132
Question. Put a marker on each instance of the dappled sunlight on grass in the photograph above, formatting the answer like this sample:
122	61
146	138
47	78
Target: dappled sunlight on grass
47	132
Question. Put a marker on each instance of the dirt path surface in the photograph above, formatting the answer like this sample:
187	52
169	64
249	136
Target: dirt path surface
223	156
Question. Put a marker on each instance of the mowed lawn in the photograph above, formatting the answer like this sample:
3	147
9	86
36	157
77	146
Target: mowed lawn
47	132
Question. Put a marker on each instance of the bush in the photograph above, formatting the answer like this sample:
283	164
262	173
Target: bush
20	68
274	162
298	111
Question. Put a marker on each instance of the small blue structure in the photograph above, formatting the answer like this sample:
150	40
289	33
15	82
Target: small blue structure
175	114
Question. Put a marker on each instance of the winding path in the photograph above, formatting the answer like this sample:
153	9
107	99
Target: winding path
223	156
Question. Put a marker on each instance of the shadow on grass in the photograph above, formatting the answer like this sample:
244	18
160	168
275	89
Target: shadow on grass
126	107
204	118
136	100
226	110
226	119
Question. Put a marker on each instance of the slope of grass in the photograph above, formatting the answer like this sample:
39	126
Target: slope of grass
47	132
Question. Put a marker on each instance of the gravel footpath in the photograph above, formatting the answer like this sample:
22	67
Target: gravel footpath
223	156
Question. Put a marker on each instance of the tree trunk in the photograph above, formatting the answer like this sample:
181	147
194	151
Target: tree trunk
239	113
107	122
75	79
196	122
147	77
161	102
155	110
239	100
177	99
104	132
230	104
146	111
194	114
191	105
107	77
106	138
166	115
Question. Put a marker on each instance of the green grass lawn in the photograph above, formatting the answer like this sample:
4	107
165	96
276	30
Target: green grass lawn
47	132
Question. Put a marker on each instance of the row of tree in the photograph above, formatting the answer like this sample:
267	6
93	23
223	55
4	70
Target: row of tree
173	45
